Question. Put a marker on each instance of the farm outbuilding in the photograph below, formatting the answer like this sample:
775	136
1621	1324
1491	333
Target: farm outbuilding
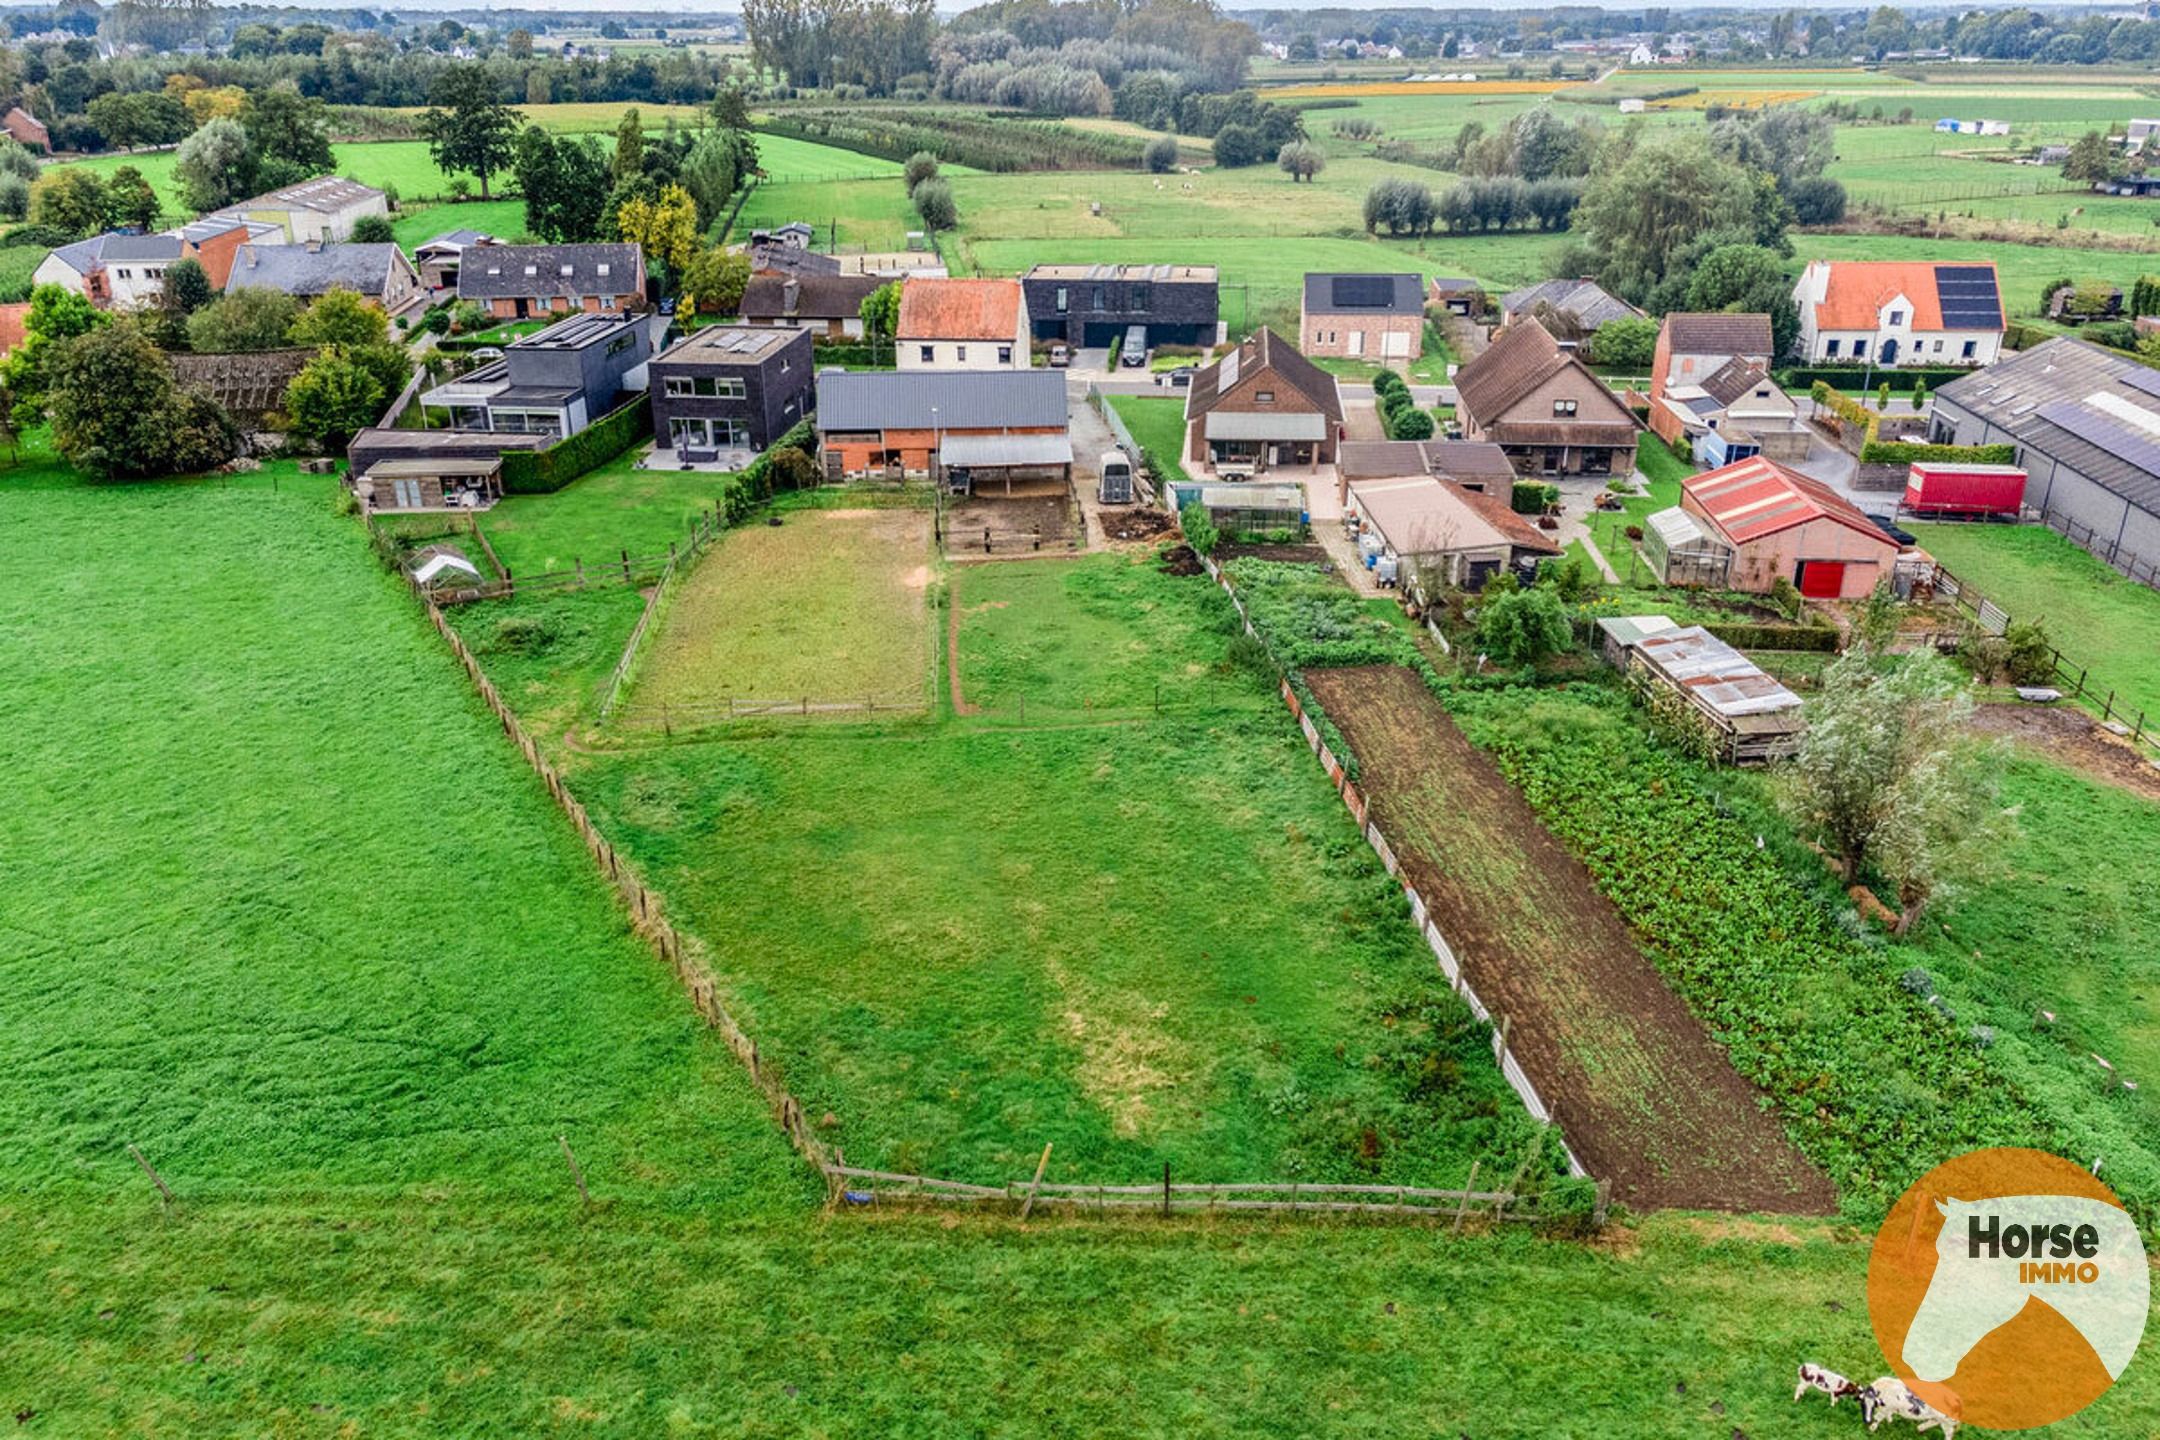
1748	717
1782	525
444	482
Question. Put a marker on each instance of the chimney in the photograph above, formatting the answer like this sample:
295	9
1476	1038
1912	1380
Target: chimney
790	296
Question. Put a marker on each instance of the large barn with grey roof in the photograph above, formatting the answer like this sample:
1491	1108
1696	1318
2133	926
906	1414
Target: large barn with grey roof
2086	424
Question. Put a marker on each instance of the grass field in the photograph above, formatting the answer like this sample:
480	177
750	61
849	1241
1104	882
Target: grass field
17	262
315	941
831	605
504	219
598	516
312	929
1142	941
1102	633
2097	618
2064	930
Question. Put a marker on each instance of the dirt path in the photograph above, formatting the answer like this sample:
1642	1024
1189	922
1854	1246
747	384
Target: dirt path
1644	1095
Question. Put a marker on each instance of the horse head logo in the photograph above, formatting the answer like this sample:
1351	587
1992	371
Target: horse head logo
2081	1257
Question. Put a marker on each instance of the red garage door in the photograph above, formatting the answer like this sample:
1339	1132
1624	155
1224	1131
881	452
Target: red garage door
1822	579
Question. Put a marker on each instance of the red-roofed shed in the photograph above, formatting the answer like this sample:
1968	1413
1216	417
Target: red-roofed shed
1783	525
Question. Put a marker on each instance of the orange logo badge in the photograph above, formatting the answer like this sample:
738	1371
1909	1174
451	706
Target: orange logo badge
2009	1289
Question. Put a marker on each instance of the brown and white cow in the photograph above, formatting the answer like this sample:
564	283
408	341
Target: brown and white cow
1890	1397
1815	1377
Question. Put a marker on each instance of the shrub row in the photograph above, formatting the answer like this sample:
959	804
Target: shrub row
960	139
1899	381
1532	497
538	472
1903	452
762	476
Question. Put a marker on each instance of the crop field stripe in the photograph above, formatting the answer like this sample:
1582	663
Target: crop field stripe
1649	1100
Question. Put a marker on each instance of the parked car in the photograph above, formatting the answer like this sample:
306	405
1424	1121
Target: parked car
1134	353
1178	379
1060	355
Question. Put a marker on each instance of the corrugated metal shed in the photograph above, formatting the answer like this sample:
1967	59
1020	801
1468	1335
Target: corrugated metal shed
1718	676
994	450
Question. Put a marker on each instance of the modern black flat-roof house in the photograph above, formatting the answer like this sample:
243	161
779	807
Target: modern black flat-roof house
1095	304
731	387
555	382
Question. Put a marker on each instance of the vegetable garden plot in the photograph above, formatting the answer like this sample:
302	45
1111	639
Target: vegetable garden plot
1643	1094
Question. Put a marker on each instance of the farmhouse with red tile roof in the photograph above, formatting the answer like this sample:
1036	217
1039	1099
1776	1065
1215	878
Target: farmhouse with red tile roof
962	325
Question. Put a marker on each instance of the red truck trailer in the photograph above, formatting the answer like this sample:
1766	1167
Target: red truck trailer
1936	488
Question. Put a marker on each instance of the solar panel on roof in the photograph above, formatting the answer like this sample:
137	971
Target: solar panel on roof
2139	378
2120	440
1968	296
1363	292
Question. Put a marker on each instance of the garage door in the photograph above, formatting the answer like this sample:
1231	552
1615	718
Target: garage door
1822	579
1395	345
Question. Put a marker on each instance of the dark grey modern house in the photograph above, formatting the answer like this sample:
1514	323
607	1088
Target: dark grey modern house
1095	304
731	387
2087	429
555	382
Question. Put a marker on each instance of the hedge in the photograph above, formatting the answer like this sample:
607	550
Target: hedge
540	472
1900	452
753	487
1743	636
1530	497
1852	376
856	357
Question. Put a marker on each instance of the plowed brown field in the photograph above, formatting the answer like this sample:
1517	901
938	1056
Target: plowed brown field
1643	1094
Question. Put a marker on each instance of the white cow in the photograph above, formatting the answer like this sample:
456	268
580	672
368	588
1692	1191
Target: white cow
1890	1396
1815	1377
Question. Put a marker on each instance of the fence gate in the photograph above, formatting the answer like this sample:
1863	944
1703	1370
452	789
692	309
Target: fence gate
1993	618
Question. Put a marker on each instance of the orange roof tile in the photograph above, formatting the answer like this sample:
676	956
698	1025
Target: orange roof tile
941	309
1858	289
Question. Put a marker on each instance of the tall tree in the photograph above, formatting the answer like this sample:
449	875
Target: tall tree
629	147
129	200
69	198
117	414
216	165
290	134
566	182
468	129
665	227
1635	217
57	315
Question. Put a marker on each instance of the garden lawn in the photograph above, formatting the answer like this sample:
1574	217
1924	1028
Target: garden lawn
1158	423
2096	617
281	906
600	514
17	263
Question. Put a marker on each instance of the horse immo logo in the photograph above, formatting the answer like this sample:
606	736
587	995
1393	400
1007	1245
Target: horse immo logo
2009	1288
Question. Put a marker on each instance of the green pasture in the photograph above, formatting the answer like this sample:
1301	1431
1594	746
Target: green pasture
310	928
2063	928
2099	620
17	264
504	219
1144	941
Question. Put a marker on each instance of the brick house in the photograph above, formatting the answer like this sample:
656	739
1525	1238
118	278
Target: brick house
1542	406
1370	317
1261	407
1691	347
514	282
873	421
828	305
26	130
1092	305
731	387
950	324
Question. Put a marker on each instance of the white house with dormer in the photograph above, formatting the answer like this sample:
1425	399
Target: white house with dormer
1888	313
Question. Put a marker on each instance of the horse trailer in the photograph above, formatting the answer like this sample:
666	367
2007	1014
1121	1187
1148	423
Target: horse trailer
1116	486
